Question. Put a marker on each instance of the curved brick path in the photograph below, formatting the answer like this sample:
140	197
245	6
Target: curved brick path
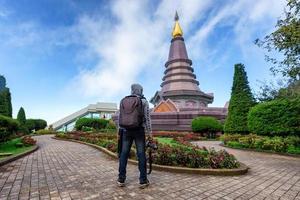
66	170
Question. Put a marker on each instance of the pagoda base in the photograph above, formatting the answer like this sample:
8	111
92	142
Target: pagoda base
182	120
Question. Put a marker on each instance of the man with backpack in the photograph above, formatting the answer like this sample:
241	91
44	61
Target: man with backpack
134	124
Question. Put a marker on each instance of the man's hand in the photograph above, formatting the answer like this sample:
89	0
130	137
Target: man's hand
150	137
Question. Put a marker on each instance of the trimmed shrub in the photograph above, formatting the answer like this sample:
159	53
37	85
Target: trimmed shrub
90	122
206	125
230	137
276	118
275	144
8	126
240	102
293	149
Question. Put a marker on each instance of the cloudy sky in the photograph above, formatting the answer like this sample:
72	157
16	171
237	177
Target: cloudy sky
58	56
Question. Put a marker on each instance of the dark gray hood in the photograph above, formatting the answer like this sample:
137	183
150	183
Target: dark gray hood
137	89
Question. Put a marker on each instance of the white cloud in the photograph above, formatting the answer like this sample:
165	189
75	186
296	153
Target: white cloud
127	47
4	12
245	18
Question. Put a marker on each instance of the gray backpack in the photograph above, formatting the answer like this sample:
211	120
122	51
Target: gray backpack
131	112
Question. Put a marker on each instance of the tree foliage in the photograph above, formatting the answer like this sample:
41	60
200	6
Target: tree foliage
35	124
240	102
5	98
269	92
21	117
2	83
8	126
277	117
5	103
285	40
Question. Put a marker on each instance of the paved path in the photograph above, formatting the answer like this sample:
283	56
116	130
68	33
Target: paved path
67	170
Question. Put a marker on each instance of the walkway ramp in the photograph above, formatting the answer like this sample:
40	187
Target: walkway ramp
99	108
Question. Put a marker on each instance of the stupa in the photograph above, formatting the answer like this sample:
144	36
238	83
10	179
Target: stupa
180	98
179	84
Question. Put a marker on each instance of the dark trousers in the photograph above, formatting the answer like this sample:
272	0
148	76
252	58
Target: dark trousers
138	136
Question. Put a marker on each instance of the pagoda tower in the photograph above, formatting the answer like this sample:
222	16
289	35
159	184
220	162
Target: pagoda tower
180	86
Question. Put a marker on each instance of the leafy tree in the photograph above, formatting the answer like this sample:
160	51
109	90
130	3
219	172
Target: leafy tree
269	92
21	116
285	40
8	102
35	124
240	102
30	124
2	83
40	124
3	104
8	127
5	98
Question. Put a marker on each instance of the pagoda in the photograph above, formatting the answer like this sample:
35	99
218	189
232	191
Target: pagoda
180	99
180	86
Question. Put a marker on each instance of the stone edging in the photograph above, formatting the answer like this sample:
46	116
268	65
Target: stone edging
243	169
15	157
262	151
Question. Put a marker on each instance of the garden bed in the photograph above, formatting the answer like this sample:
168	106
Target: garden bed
14	150
179	157
279	145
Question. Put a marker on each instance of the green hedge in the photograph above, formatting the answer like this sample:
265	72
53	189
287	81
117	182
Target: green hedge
91	123
275	118
206	125
8	126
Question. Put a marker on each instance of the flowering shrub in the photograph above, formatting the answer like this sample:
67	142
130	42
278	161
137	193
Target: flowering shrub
187	136
28	141
184	154
169	134
290	144
195	157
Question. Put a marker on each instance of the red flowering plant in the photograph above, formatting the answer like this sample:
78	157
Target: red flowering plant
182	154
28	141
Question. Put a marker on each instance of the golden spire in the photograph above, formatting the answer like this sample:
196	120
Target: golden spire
177	32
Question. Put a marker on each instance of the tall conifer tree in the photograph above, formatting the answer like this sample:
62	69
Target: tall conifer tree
240	102
21	116
5	98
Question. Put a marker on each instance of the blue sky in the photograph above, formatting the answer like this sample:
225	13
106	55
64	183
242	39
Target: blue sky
58	56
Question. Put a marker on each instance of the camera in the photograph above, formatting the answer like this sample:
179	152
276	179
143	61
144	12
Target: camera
151	145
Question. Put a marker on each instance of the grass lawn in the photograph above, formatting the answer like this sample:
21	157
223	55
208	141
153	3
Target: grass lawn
9	147
169	141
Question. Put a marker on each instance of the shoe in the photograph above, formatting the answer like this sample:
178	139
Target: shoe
121	183
144	184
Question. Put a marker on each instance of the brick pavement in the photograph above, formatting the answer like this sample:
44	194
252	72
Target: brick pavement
67	170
